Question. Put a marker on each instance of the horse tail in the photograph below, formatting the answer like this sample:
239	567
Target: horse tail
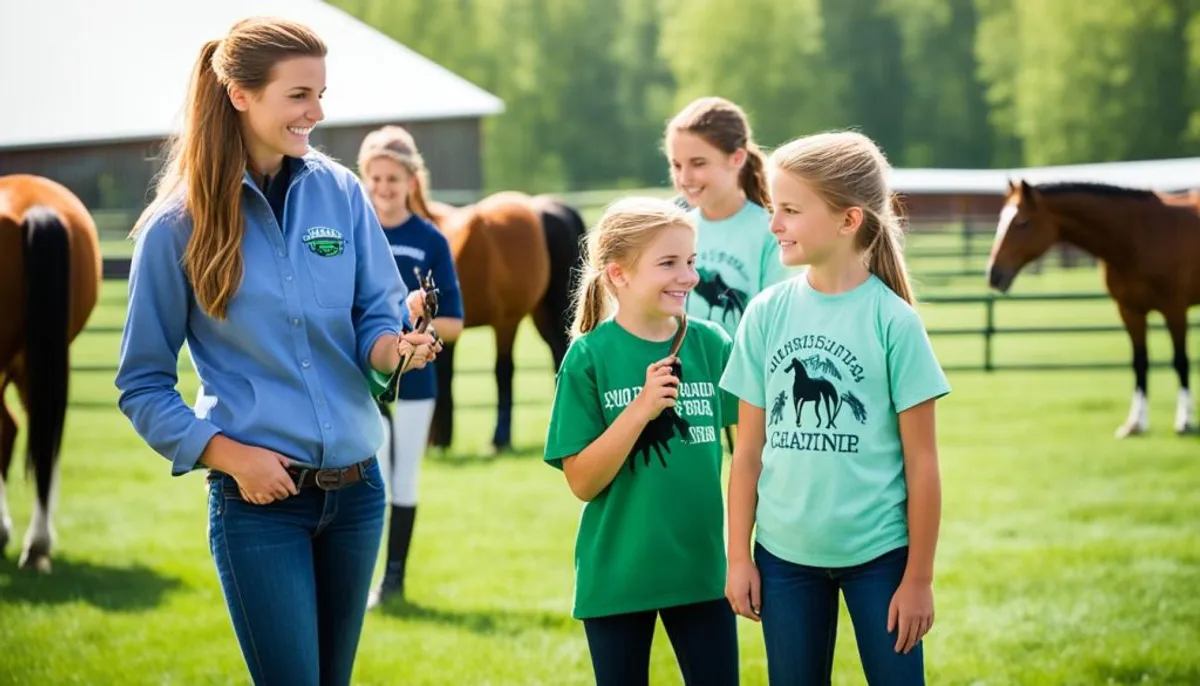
47	262
564	230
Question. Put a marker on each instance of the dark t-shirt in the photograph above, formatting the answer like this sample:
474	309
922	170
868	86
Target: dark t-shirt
418	243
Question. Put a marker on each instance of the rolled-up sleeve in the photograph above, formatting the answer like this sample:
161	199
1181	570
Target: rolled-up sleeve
379	292
155	329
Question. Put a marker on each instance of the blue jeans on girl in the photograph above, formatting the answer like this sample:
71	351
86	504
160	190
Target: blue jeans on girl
800	615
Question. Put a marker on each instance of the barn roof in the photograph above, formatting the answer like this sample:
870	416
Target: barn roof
1158	175
83	71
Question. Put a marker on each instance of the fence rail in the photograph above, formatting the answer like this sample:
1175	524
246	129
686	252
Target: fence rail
989	331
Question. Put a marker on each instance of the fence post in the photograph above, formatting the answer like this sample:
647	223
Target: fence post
989	328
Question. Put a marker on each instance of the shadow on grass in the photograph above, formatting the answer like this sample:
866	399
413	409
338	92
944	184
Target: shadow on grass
485	621
118	589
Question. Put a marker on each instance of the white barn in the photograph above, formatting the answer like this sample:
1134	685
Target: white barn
93	107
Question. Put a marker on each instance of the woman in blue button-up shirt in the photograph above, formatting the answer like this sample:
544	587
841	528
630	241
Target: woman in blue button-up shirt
267	259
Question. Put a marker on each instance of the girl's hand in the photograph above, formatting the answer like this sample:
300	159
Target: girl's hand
415	302
911	612
743	589
660	390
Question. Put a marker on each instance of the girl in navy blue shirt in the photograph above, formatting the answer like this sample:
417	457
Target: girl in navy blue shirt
395	177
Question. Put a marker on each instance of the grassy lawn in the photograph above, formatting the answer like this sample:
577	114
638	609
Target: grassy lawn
1066	556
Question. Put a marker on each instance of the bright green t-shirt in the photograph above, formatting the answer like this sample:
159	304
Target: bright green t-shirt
736	258
654	537
832	372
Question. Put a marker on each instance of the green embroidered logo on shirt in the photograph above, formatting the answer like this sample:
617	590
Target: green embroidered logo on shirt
324	241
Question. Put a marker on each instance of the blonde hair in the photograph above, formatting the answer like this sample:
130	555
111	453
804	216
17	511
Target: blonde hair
397	144
207	159
723	125
847	169
626	228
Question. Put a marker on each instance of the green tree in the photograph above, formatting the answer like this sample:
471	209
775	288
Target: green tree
767	56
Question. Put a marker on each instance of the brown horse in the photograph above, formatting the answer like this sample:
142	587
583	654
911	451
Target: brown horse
503	265
49	282
1150	255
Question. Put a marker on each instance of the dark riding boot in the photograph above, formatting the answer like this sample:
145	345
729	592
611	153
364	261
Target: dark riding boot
399	537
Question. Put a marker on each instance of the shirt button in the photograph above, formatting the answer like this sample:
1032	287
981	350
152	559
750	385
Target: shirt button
304	363
280	253
295	321
287	277
326	425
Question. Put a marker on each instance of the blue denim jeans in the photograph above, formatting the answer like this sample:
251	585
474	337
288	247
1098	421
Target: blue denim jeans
800	616
295	574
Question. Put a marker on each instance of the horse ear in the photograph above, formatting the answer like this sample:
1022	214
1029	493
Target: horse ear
1011	186
1027	193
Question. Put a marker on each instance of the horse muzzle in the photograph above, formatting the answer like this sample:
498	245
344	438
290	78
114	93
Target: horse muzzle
1001	278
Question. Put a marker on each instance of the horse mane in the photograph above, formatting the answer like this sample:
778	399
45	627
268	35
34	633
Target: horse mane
1091	188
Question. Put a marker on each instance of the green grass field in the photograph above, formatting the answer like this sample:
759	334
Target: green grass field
1066	556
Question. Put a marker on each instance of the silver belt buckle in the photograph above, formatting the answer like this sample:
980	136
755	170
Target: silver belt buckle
339	477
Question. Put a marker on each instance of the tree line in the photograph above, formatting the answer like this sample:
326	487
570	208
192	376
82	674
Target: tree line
588	85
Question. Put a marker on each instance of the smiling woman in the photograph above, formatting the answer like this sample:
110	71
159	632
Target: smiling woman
266	258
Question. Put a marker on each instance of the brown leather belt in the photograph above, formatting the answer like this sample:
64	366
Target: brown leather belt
330	479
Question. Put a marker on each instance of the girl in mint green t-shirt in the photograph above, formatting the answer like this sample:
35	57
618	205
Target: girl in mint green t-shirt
836	459
635	427
719	171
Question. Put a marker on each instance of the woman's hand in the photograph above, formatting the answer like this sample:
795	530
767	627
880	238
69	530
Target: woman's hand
261	474
424	348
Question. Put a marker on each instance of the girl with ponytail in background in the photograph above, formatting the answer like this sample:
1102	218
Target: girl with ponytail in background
719	171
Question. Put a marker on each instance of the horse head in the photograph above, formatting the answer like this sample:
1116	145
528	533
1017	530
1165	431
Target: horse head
1025	231
797	366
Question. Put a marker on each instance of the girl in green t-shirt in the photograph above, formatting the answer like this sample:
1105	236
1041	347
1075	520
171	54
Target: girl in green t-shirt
635	427
836	458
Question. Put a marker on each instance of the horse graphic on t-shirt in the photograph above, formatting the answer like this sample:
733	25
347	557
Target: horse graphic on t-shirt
713	289
821	392
777	408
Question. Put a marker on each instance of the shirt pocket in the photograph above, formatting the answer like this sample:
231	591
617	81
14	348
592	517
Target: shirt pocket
332	277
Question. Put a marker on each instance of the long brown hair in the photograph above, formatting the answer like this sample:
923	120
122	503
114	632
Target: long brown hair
207	159
848	170
625	229
723	125
397	144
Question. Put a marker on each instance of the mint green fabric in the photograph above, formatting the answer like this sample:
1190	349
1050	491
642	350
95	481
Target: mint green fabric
832	373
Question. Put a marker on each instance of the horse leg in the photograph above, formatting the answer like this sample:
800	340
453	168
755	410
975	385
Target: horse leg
1177	324
8	437
506	335
1138	421
549	326
40	536
441	433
